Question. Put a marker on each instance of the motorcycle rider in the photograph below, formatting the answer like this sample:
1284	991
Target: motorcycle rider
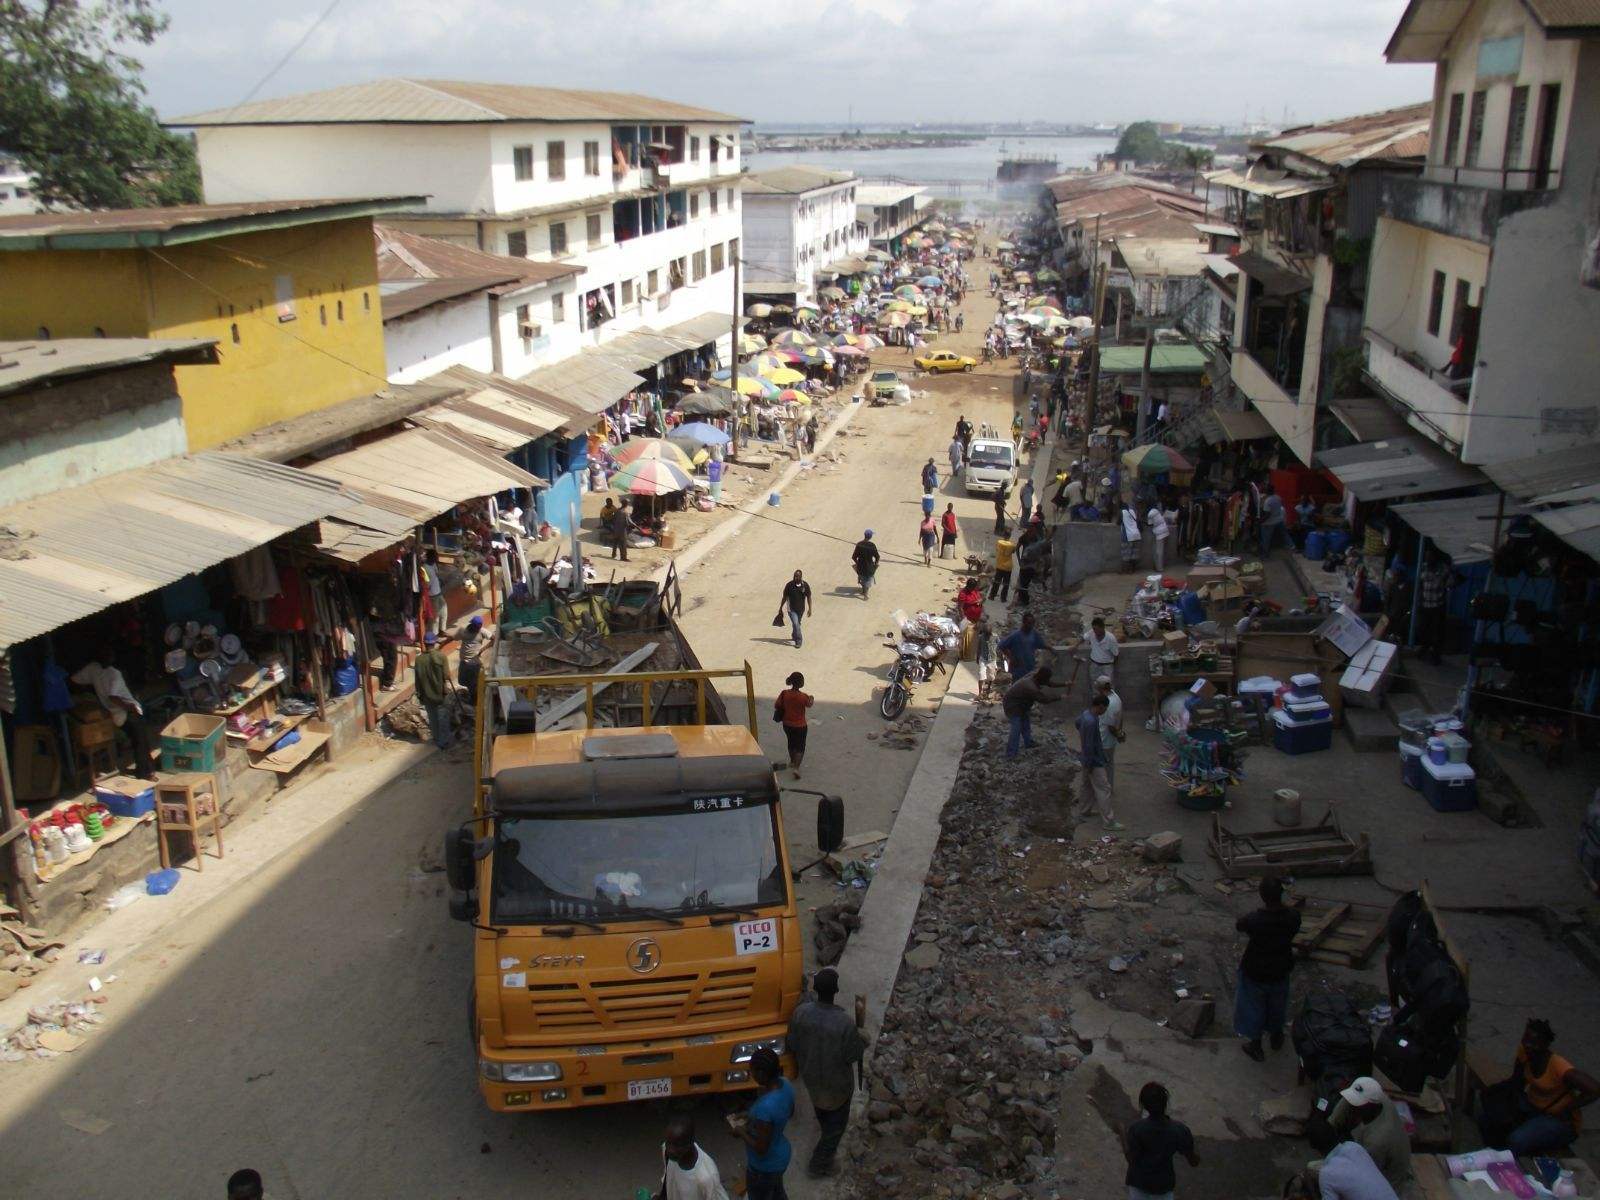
865	557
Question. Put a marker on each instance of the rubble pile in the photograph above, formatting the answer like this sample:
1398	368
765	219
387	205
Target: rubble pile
24	951
1015	917
53	1029
834	924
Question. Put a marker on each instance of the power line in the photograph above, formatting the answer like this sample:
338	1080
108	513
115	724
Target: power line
284	61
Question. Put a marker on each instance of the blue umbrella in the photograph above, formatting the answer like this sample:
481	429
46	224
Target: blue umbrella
931	281
703	432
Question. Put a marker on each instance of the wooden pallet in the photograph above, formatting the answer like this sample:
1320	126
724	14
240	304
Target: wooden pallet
1339	932
1321	849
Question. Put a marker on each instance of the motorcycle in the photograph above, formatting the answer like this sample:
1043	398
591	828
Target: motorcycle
916	664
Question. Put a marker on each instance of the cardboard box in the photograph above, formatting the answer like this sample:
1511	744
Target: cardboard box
1175	643
1203	688
1345	630
1372	669
1200	576
1223	598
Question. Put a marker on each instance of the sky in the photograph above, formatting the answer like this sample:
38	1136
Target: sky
902	61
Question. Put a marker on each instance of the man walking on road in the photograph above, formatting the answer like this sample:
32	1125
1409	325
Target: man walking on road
1150	1145
865	557
1018	704
957	453
1099	651
1261	1000
431	674
1027	501
619	531
687	1172
964	435
930	478
1110	726
797	603
1095	789
1004	556
827	1047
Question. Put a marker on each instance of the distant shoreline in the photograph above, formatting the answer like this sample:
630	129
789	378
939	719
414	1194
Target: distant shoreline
800	143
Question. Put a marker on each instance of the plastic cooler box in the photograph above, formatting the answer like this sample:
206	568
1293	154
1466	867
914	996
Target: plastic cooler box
1301	737
1314	708
1449	787
127	797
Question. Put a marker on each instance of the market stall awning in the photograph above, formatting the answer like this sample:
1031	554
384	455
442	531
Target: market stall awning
1578	525
1275	185
771	287
1274	280
1368	418
850	265
586	380
1225	425
1462	528
642	349
704	329
1567	478
422	473
77	552
310	432
498	411
1164	360
1399	466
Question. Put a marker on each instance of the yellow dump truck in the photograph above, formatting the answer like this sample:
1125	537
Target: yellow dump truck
627	880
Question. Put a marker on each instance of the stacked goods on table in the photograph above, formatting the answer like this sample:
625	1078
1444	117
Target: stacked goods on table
1302	722
1433	760
1202	761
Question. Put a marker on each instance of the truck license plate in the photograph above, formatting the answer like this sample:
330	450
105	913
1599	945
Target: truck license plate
756	937
649	1089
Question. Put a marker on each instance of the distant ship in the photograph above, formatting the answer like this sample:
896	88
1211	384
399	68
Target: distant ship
1019	176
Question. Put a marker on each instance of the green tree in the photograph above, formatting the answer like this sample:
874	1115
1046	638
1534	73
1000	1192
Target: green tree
1141	143
1197	158
72	105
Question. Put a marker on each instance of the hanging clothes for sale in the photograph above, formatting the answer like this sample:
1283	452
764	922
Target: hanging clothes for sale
286	611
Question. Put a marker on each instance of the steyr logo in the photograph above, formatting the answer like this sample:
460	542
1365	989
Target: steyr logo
644	956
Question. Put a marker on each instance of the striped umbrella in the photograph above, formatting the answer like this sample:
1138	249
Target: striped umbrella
790	396
749	343
750	385
772	360
794	337
702	432
651	477
644	449
785	375
1154	459
759	310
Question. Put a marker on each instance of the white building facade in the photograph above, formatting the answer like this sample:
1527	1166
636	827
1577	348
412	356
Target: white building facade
16	187
1482	320
798	221
887	212
641	195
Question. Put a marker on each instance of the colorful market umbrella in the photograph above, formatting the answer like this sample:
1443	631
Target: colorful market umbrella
749	385
782	308
644	449
1040	301
759	310
833	293
1005	246
790	396
850	351
794	337
651	477
749	343
713	402
772	360
895	318
816	356
908	291
702	432
784	376
1049	275
931	281
1154	459
1081	322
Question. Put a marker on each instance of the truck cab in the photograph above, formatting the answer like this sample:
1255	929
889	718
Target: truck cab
991	466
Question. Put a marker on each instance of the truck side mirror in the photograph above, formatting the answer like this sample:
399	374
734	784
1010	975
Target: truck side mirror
460	863
830	823
463	906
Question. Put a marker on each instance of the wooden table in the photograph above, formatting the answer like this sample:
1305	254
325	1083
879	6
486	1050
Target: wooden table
1221	676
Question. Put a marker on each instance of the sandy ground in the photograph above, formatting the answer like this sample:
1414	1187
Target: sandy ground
308	1019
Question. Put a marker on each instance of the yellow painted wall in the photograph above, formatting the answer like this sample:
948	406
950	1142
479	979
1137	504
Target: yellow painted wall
225	288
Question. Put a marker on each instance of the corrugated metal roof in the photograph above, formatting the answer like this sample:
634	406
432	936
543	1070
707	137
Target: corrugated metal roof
112	228
312	431
1231	426
28	365
586	380
792	181
1462	528
641	349
422	473
403	255
445	101
401	297
849	265
1275	185
1545	478
1367	418
1396	467
704	329
1161	257
1274	280
877	195
1566	16
772	287
77	552
1577	525
514	404
1350	140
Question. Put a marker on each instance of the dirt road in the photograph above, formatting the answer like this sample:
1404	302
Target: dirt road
311	1022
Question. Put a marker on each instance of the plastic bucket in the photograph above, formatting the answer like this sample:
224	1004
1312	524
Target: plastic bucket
1338	541
1316	545
1286	808
1438	751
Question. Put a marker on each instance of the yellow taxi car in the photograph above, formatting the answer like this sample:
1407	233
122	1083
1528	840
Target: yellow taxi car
943	360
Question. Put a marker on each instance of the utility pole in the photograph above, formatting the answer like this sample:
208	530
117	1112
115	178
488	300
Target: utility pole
1144	384
1092	404
733	360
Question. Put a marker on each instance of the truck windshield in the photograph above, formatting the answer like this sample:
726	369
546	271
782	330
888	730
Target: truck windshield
990	456
603	868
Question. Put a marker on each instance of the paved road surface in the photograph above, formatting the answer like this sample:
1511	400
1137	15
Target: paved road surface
310	1021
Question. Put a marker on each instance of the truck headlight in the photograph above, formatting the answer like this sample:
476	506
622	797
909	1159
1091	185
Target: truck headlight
744	1050
534	1072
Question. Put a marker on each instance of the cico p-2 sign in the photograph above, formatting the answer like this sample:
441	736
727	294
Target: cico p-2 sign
756	937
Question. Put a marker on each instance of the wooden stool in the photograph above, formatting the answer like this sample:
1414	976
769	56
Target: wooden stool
188	804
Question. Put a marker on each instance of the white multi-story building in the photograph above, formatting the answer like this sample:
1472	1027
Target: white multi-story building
641	194
16	187
1483	315
888	212
798	222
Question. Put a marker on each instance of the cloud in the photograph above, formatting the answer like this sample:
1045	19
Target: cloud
815	60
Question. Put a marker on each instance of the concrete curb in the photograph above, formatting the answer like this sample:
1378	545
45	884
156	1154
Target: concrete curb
747	512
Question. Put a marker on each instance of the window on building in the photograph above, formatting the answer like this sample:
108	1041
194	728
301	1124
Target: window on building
716	258
1480	101
715	198
283	294
555	159
558	308
1453	128
338	310
733	250
592	228
730	199
713	148
517	243
1516	124
591	158
1544	136
525	326
699	265
44	333
652	282
627	291
694	205
1458	310
233	332
694	149
322	313
522	163
558	237
1436	303
366	302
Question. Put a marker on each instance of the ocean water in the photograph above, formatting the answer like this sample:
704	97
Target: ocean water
961	171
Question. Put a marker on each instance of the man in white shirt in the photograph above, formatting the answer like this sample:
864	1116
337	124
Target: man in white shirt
1348	1173
1099	650
1110	724
687	1172
1157	521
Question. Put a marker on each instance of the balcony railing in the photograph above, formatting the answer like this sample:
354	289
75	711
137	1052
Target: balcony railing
1437	401
1505	179
1464	210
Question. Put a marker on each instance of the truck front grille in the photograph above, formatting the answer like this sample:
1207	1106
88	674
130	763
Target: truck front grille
629	1003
